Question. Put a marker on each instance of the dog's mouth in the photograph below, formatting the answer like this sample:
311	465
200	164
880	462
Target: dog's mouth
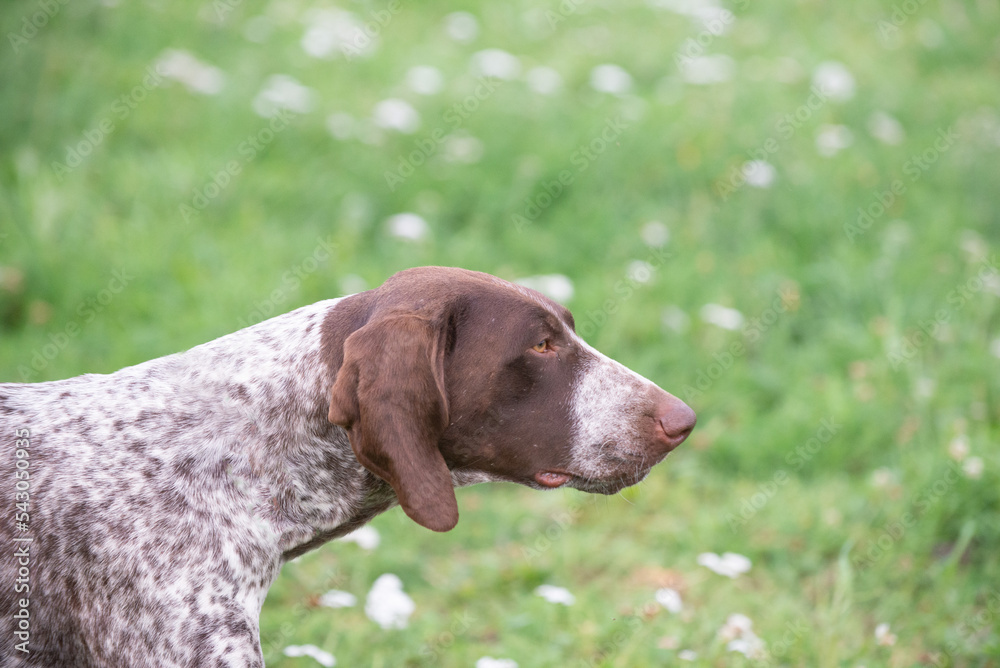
552	479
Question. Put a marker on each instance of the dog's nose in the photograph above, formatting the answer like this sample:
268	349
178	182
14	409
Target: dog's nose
676	420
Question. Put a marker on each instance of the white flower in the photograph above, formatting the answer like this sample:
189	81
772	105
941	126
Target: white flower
749	645
729	564
366	537
639	271
332	32
973	467
408	226
675	318
654	233
831	139
461	26
424	79
197	76
554	594
340	125
387	604
669	599
544	80
834	80
721	316
759	173
396	114
738	632
883	477
490	662
610	78
281	91
496	63
704	70
687	655
338	599
737	625
958	448
883	636
885	128
462	147
322	657
553	286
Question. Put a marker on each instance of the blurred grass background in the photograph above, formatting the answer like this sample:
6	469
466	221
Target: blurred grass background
883	322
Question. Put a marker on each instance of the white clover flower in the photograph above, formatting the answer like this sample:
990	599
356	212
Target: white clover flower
721	316
282	92
670	599
554	594
544	80
183	67
322	657
338	599
705	70
834	80
366	537
496	63
832	139
396	114
387	604
730	564
461	26
425	80
759	173
611	79
553	286
408	226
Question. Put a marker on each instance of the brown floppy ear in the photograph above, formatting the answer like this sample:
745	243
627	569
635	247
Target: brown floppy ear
390	396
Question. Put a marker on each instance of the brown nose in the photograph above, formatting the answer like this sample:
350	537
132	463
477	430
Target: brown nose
676	422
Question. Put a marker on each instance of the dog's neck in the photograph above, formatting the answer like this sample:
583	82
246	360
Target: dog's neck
297	479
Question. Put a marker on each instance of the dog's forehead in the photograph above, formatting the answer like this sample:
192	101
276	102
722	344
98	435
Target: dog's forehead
456	282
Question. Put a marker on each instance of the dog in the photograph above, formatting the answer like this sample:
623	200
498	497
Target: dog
155	505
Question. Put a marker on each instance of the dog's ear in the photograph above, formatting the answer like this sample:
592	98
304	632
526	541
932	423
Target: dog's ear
390	396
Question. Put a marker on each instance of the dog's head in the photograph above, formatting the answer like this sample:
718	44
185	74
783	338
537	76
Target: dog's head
450	376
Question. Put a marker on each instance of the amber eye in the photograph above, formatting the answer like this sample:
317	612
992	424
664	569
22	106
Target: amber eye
541	346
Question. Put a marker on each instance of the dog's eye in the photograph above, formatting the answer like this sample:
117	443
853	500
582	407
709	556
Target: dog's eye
541	346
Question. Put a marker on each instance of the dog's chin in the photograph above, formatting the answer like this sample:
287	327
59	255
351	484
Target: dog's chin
610	484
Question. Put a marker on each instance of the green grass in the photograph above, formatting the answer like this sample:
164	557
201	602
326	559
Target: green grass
834	554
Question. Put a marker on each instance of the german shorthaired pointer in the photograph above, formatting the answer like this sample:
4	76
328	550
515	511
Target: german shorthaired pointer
164	498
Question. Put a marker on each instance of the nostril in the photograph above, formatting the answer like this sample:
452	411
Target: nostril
677	423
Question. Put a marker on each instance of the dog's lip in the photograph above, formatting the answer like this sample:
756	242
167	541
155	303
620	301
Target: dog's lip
553	478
